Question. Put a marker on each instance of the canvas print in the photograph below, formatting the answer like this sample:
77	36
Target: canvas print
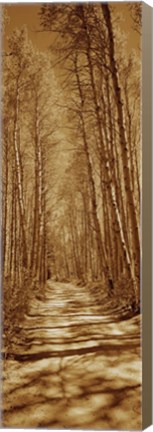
71	130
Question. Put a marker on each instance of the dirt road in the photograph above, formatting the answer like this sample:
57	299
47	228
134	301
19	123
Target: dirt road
76	365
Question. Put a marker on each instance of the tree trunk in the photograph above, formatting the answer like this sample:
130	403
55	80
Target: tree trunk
19	178
5	212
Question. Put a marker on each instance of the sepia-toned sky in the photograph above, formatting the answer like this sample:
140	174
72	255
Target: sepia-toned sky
27	14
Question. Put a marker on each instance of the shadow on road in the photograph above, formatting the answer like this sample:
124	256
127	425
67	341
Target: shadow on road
80	372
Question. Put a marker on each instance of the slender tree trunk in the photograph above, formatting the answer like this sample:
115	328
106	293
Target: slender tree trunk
65	254
5	213
86	234
12	223
38	229
15	241
19	177
78	273
40	210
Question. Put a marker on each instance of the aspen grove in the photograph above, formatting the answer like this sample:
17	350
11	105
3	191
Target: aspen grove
71	159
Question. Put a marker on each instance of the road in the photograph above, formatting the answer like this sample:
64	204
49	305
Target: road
76	365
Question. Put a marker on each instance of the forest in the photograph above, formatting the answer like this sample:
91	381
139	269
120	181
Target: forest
71	164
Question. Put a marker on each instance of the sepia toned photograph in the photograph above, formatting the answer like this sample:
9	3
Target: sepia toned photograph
71	234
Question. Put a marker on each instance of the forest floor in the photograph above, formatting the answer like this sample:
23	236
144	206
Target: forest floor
76	364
